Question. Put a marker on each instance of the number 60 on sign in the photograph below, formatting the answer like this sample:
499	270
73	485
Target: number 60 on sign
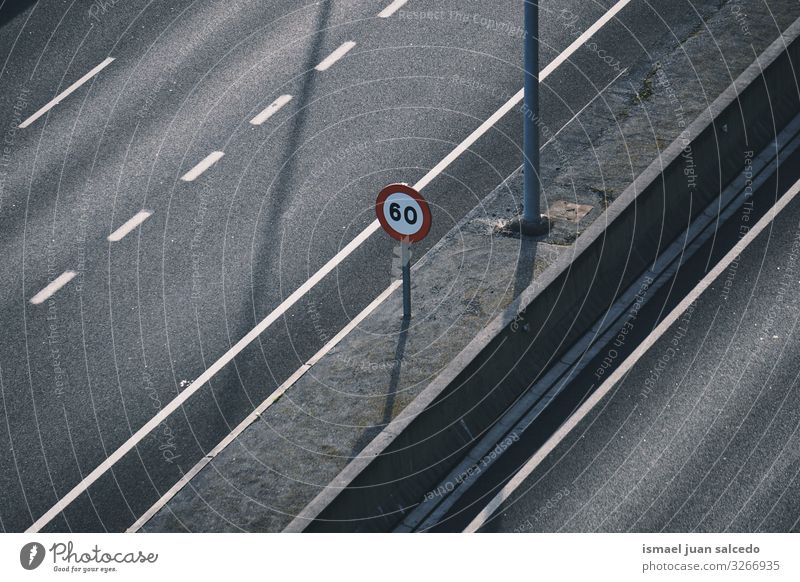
403	213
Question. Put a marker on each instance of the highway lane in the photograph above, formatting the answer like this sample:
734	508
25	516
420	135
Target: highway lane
149	313
702	432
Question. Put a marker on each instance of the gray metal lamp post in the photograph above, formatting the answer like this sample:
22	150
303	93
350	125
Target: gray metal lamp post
531	222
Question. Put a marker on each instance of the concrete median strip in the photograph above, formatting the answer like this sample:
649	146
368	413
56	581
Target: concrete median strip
422	444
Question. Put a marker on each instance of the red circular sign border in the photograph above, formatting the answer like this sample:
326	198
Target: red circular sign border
427	218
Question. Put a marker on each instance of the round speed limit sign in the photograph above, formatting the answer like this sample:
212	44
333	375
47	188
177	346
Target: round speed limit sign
403	213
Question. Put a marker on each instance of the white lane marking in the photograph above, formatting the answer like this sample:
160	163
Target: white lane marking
299	373
61	96
205	164
335	56
632	359
467	143
578	42
300	292
54	286
271	109
132	223
574	117
392	8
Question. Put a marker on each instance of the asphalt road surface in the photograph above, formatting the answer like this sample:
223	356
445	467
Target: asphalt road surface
703	431
130	267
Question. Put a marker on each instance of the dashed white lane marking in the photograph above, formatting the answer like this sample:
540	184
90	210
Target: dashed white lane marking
392	8
64	94
626	366
299	373
271	109
305	287
335	56
126	228
54	286
207	162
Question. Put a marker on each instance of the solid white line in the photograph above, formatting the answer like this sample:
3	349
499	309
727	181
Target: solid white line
335	56
570	50
632	359
271	110
471	139
392	8
299	373
207	162
54	286
293	298
132	223
61	96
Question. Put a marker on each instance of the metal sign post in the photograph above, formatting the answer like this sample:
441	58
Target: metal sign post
405	259
405	216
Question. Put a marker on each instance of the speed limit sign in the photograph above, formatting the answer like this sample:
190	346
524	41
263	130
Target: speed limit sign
405	216
403	213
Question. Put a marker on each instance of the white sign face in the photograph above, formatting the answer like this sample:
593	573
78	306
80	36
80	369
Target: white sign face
403	213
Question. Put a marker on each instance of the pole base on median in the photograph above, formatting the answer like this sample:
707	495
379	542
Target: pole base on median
519	225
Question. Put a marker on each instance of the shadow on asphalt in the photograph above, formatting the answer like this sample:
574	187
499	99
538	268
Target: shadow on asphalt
289	176
10	9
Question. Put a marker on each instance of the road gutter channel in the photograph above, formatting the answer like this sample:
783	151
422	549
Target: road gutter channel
630	362
529	408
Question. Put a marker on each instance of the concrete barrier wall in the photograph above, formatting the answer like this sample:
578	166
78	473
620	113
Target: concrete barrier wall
428	439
